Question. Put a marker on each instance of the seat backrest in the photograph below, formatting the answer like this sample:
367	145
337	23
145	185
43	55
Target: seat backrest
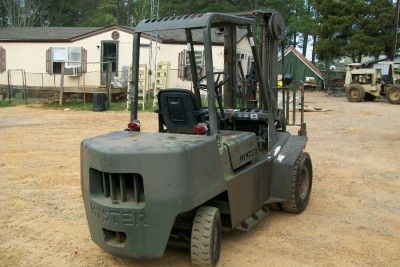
178	110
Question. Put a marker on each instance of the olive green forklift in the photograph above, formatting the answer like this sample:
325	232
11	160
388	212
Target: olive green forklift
208	169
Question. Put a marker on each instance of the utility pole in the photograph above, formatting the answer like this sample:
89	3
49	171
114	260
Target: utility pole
396	29
154	4
61	93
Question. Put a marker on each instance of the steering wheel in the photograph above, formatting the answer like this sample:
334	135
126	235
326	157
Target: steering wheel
218	84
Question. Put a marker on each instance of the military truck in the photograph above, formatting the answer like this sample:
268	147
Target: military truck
366	84
209	168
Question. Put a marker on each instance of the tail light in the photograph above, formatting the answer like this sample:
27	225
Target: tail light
199	129
134	126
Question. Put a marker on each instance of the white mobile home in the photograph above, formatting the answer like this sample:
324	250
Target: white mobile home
39	52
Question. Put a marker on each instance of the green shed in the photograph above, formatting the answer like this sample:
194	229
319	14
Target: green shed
300	67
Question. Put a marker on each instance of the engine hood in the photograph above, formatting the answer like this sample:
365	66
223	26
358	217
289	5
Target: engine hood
149	143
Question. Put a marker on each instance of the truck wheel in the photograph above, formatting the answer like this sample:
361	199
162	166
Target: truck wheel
301	185
369	97
393	95
205	243
355	93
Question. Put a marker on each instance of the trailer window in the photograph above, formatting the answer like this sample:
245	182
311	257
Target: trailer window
58	55
184	71
72	56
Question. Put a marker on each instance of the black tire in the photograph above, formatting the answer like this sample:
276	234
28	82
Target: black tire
393	95
355	93
301	185
205	241
369	97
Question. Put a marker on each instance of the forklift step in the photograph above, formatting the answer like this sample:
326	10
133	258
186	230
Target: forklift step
255	218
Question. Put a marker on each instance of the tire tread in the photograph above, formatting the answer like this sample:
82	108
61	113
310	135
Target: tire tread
202	229
291	205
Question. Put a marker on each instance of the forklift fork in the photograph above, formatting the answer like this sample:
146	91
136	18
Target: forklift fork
289	118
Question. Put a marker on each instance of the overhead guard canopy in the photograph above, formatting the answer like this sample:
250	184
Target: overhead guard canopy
254	13
194	21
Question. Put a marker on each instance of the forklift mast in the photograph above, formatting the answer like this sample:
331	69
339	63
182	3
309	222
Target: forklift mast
272	26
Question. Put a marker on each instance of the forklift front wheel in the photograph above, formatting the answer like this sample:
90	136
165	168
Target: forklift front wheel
301	185
205	243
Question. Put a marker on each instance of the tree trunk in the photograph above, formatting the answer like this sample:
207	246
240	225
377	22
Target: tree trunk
313	49
119	12
305	35
305	44
294	39
359	58
26	14
353	58
328	74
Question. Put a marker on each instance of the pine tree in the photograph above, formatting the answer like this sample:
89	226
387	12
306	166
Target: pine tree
355	28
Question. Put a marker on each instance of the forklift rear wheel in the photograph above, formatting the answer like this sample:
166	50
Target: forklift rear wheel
369	97
394	95
301	185
205	243
355	93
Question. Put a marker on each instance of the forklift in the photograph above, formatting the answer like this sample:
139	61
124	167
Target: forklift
209	168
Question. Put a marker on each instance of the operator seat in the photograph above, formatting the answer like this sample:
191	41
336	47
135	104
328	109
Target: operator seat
178	111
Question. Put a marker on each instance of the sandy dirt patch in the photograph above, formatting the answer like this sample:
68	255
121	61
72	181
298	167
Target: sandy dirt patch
353	217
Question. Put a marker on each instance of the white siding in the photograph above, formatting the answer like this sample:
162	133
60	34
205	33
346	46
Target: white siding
243	47
169	53
32	58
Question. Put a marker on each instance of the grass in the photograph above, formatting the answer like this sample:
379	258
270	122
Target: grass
6	103
72	104
78	105
11	103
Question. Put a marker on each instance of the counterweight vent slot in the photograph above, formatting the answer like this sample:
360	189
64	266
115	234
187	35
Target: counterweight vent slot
124	187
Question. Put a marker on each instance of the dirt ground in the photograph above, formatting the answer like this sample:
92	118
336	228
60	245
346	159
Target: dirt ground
353	217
